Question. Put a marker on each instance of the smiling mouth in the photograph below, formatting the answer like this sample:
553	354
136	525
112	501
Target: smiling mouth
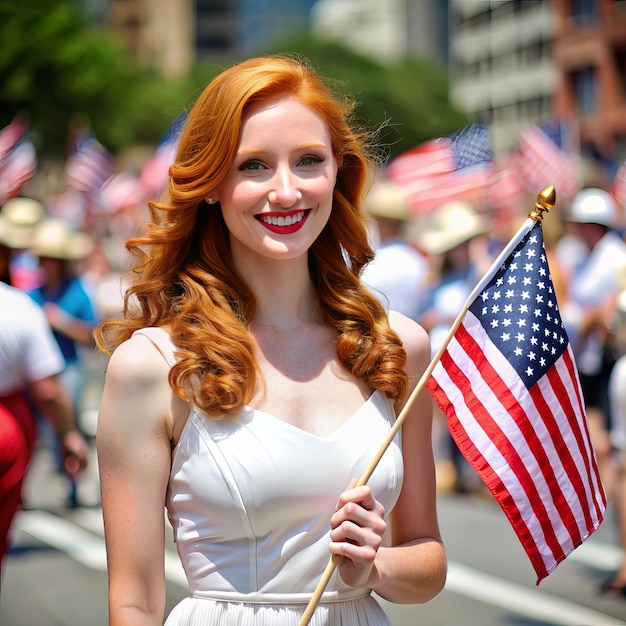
285	224
282	220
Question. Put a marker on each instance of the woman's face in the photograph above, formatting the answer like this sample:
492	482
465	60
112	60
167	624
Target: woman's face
278	194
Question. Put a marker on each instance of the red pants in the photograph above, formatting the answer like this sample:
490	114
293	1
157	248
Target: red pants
18	434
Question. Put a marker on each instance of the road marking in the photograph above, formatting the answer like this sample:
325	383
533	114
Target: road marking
523	600
79	544
82	540
597	555
83	545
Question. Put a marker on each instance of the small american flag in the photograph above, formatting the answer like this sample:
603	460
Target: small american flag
445	169
89	166
17	168
545	156
154	174
508	384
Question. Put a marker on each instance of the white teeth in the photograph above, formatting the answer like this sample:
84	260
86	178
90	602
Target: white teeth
287	220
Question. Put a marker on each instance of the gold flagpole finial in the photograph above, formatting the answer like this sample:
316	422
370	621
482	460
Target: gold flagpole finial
545	201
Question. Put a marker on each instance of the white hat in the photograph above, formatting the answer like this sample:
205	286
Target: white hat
593	206
387	200
18	218
447	227
53	238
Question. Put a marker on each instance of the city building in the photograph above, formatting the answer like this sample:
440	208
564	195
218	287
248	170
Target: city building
170	35
501	69
516	62
589	54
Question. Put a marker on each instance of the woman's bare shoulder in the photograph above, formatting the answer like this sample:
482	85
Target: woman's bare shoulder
413	335
138	361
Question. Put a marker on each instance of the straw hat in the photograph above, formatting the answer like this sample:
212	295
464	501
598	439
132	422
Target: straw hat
593	206
53	238
447	227
18	219
387	200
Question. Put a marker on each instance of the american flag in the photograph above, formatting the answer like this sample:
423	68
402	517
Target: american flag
89	166
154	174
508	384
446	168
16	168
545	156
10	136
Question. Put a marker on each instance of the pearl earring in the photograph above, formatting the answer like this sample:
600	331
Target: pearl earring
210	200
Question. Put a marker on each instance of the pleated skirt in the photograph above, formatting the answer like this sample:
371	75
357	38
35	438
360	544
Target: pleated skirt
194	611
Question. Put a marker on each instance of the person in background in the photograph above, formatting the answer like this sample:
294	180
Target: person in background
616	584
253	378
65	302
30	365
588	310
398	275
21	216
452	237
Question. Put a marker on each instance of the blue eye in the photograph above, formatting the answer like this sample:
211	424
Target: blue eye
251	165
310	159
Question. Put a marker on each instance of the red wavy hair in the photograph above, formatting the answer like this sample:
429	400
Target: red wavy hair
185	279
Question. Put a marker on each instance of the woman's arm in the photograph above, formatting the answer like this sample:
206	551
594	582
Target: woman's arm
134	455
413	569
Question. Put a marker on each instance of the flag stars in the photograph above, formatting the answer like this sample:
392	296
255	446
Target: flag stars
519	312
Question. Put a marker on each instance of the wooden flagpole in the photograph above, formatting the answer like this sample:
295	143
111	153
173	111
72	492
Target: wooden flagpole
545	201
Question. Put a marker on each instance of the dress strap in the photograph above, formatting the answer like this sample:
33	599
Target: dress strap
162	341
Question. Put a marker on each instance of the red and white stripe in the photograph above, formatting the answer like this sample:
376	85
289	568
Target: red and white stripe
530	447
541	163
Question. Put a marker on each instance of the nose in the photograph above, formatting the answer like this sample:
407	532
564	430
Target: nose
285	190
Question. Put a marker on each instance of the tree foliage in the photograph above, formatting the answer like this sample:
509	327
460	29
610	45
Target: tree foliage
407	100
53	65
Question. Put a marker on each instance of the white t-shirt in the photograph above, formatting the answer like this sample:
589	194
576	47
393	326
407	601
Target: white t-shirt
398	277
28	349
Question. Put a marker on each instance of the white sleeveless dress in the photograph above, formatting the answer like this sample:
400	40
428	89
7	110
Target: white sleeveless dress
250	501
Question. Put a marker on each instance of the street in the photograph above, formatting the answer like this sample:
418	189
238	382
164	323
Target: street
55	574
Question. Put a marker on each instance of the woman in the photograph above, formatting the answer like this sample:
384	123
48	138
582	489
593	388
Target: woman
253	378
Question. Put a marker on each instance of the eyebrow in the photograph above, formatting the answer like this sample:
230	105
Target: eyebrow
300	148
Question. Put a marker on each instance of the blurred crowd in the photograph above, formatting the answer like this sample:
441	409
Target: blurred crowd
426	265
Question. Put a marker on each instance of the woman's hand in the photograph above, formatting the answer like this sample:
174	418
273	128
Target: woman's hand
358	526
